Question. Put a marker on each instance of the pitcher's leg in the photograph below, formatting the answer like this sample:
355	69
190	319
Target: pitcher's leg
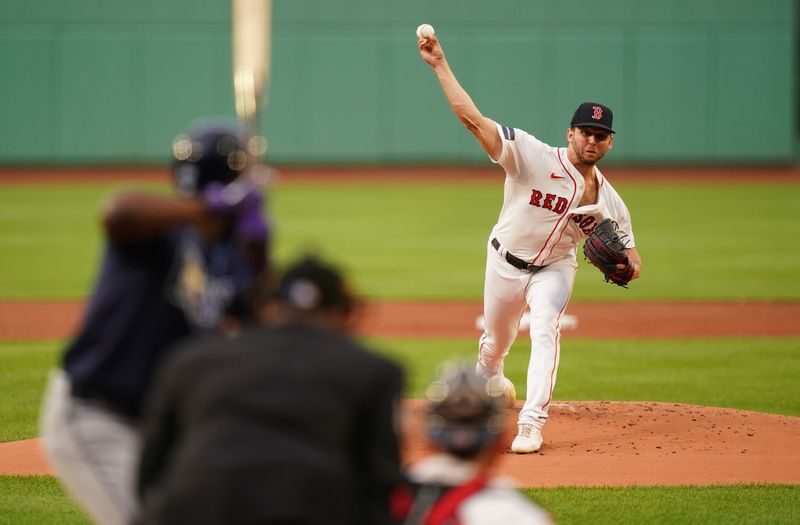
548	296
503	305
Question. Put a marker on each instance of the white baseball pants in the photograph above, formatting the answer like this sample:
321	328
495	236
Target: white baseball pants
507	291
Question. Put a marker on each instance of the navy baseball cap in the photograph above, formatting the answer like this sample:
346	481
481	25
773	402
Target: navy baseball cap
593	114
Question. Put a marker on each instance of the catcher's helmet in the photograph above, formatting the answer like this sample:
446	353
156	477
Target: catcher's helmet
463	415
208	152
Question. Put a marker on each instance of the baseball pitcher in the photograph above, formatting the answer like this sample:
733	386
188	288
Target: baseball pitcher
553	199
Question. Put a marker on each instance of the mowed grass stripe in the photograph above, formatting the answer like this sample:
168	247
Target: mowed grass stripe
428	241
722	505
38	500
757	374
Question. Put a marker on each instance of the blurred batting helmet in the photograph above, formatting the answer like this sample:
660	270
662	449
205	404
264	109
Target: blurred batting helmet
208	152
463	415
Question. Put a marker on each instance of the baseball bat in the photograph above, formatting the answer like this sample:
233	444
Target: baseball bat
252	27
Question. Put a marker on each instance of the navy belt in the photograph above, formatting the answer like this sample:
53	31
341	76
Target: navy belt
515	261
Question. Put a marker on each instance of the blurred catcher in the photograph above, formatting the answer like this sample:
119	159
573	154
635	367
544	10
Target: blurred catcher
173	265
466	420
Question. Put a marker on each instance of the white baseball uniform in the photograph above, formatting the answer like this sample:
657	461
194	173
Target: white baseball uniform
540	223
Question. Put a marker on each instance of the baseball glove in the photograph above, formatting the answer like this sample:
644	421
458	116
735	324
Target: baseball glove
605	249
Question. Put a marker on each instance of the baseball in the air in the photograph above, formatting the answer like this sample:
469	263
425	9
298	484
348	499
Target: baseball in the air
424	31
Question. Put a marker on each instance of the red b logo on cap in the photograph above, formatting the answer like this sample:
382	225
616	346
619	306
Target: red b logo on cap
598	112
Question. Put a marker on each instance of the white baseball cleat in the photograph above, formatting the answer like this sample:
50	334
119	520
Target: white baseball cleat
529	439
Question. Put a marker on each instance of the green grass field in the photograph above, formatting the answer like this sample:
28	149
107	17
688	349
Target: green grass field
750	374
31	500
742	504
698	242
28	500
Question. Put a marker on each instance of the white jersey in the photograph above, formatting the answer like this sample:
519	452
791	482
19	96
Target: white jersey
540	220
496	504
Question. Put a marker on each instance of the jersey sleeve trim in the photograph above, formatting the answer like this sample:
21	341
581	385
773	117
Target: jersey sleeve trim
508	155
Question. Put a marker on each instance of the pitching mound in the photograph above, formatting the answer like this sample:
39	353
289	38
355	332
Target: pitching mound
606	444
622	444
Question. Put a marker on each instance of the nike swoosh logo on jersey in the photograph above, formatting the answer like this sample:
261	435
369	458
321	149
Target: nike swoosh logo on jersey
554	176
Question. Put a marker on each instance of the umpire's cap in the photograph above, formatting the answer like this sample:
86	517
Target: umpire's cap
208	151
311	285
463	416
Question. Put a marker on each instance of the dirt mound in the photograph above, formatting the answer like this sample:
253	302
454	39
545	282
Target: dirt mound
606	444
622	444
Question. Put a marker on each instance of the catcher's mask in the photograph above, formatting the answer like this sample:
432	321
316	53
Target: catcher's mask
210	151
463	417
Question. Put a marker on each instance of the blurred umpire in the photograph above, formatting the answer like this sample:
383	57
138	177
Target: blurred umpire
467	418
173	265
290	423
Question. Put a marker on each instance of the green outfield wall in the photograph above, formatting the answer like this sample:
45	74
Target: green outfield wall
691	81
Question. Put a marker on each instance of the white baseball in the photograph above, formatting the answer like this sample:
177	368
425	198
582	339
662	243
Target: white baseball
424	31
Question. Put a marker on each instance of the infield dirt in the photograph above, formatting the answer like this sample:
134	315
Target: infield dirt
643	320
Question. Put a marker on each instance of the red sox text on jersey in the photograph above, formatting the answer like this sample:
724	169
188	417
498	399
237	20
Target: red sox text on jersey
558	205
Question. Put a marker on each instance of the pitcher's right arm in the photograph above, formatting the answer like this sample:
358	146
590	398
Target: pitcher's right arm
484	128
